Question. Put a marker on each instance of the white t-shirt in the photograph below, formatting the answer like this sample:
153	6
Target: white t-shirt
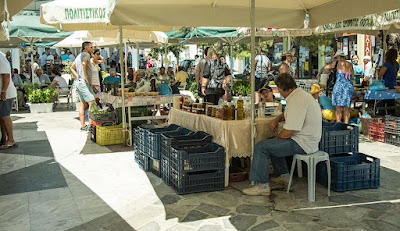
61	82
44	79
5	68
262	65
368	69
95	74
303	116
43	59
104	53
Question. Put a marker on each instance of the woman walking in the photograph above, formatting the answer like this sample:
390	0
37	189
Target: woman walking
343	89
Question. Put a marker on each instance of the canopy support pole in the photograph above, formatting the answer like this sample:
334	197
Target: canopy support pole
165	55
253	52
289	42
121	55
126	62
138	55
231	55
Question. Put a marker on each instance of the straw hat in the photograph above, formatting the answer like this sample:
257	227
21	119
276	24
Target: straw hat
339	53
315	88
287	53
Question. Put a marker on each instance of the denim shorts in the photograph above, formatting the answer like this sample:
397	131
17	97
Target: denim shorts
84	90
5	107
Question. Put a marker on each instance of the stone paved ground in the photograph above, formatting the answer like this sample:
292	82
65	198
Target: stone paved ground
57	179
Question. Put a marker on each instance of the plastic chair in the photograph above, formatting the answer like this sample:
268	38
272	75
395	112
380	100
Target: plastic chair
65	93
15	104
311	160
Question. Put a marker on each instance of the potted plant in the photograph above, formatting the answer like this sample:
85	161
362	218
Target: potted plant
41	99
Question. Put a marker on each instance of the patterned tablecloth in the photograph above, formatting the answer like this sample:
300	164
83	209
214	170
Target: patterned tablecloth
379	95
234	135
116	101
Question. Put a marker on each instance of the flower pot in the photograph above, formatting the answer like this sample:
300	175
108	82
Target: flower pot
41	107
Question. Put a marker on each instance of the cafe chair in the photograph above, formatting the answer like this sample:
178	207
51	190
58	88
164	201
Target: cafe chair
311	160
65	94
15	104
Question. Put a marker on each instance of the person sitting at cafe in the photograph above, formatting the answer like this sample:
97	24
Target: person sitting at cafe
301	134
170	72
43	78
162	75
18	85
113	77
181	76
131	72
268	96
58	80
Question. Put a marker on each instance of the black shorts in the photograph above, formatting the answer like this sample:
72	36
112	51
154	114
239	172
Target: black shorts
257	83
5	107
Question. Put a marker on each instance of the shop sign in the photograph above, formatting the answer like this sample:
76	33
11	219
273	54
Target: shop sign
272	32
80	14
367	45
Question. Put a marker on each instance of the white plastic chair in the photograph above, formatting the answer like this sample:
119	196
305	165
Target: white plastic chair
311	160
15	104
66	94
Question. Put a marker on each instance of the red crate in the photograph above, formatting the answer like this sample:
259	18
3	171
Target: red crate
95	123
377	131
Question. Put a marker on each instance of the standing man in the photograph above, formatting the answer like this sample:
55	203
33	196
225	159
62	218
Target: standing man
196	60
263	66
301	134
71	56
43	59
368	69
200	69
64	56
8	94
114	59
104	54
81	69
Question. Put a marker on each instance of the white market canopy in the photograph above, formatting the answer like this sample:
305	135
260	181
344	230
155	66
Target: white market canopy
389	21
131	35
73	15
78	37
236	13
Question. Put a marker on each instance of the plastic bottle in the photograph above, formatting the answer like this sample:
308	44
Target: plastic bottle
240	109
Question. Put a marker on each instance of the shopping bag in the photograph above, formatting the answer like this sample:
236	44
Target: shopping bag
377	85
164	89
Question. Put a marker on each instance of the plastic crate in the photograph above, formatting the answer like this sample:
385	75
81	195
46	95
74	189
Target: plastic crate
165	169
155	167
377	131
143	161
209	157
184	183
154	149
338	138
135	112
107	135
103	116
92	129
392	139
392	124
153	137
96	123
196	139
165	148
365	124
357	171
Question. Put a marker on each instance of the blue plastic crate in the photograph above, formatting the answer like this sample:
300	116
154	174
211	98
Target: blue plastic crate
184	183
357	171
154	149
338	138
164	143
153	137
143	161
209	157
165	169
196	139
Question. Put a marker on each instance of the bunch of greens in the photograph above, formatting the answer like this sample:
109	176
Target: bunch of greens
193	87
242	88
39	95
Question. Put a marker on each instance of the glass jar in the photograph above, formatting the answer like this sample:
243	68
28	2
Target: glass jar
226	112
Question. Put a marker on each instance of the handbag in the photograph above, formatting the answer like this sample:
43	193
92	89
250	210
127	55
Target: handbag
164	89
331	80
377	85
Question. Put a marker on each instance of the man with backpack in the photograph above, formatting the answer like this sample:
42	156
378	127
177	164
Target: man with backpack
263	66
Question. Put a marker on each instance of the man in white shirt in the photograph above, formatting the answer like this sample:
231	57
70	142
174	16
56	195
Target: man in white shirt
301	134
263	65
367	68
7	97
104	54
43	59
71	56
43	78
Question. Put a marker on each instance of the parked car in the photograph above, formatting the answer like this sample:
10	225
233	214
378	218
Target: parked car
187	63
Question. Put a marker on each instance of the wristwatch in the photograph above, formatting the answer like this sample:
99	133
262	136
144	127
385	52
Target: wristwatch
3	91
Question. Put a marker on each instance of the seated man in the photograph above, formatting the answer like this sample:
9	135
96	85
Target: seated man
18	85
113	77
43	78
301	134
181	76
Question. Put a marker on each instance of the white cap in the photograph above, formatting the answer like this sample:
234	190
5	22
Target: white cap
367	57
62	52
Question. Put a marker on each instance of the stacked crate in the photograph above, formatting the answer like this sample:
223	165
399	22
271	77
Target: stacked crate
107	118
176	140
377	131
349	169
392	130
